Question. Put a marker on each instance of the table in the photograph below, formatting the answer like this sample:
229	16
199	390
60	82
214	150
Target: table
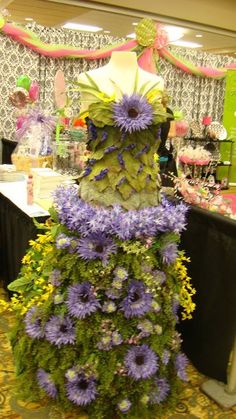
210	241
16	227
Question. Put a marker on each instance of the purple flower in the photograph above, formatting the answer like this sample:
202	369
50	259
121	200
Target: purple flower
181	362
141	362
116	338
120	273
160	392
143	151
33	324
140	169
165	357
96	246
105	343
110	149
113	293
54	277
175	306
87	171
169	253
46	383
138	300
81	217
62	241
159	276
129	147
121	160
81	301
60	330
133	113
109	307
92	131
124	405
146	327
101	175
104	136
83	390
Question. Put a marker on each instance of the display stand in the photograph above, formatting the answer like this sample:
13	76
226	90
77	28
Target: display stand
195	141
224	395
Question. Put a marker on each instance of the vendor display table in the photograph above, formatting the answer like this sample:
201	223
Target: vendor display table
16	227
209	240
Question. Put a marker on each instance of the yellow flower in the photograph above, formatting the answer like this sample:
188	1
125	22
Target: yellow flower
154	95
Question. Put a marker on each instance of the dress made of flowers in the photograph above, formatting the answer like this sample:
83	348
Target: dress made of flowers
99	291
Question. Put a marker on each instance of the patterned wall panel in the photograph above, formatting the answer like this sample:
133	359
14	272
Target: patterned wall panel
194	95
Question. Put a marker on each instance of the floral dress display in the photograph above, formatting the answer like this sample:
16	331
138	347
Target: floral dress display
99	292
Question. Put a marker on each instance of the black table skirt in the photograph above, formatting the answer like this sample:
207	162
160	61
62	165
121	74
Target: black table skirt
210	241
16	229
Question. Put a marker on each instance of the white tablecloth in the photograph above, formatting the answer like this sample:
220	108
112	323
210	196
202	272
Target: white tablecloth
16	192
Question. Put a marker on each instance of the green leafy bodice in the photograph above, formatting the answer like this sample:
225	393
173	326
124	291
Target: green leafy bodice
123	135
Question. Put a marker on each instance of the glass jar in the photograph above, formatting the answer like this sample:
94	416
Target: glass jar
69	157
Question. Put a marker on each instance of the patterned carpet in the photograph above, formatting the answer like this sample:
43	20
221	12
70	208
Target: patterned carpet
193	404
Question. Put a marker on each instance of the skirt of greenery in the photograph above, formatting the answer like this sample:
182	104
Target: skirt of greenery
96	303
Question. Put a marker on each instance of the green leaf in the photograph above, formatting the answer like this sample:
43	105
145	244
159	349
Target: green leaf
125	190
136	81
131	164
102	184
92	82
20	284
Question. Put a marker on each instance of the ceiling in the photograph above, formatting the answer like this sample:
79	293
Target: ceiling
215	20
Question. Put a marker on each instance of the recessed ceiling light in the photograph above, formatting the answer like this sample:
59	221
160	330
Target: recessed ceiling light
131	35
199	35
106	31
174	32
186	44
79	27
135	23
29	19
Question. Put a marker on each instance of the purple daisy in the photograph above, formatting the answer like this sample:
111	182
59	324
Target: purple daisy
133	113
96	246
138	300
62	241
124	405
169	253
181	362
120	273
161	391
33	324
46	383
60	330
141	362
83	390
81	301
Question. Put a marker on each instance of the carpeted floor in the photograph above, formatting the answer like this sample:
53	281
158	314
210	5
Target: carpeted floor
193	404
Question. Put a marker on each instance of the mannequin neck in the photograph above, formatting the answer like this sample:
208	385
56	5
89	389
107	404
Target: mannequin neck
125	61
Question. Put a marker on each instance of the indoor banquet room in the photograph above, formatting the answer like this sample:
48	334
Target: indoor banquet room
117	209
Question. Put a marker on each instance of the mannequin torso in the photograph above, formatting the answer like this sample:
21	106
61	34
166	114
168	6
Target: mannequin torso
119	76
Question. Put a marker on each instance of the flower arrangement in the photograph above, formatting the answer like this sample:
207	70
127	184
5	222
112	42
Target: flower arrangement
97	303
